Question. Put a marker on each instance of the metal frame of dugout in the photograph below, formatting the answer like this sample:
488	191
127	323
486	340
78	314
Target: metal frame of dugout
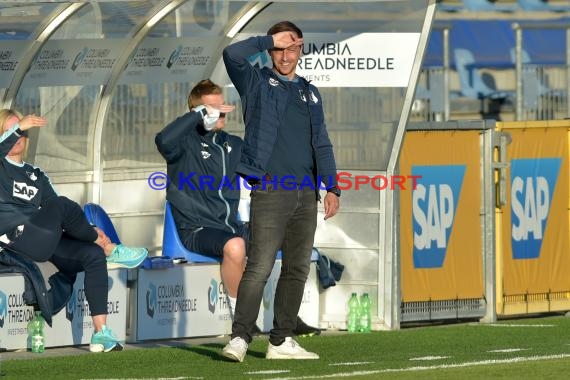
117	179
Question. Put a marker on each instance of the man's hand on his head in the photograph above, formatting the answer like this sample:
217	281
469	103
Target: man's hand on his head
213	113
284	40
222	108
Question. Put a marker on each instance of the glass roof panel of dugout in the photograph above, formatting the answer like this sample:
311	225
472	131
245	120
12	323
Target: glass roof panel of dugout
350	51
362	110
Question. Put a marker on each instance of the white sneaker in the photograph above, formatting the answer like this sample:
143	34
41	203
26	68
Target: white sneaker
236	349
289	349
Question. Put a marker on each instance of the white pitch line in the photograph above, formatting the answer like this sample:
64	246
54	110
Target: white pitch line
334	375
431	358
150	378
509	350
268	372
426	368
350	363
513	325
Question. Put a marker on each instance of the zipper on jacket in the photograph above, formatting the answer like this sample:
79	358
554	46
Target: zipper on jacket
308	96
228	211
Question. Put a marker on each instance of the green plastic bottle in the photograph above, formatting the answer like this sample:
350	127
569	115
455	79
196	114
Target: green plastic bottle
353	314
36	333
365	313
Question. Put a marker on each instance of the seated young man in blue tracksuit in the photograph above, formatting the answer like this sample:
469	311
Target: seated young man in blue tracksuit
203	190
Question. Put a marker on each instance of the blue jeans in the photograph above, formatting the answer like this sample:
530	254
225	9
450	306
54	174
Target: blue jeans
285	219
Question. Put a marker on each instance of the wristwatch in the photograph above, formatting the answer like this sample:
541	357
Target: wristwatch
335	190
20	132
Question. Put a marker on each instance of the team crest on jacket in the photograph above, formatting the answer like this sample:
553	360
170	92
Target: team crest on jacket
273	82
32	176
24	191
314	98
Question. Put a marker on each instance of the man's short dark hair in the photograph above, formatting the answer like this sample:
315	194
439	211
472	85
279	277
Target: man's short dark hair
285	26
204	87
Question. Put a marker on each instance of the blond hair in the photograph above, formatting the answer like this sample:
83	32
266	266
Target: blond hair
6	114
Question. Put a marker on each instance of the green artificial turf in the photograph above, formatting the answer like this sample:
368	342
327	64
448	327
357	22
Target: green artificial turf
523	349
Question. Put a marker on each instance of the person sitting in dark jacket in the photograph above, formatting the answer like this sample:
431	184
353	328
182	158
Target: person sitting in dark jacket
37	223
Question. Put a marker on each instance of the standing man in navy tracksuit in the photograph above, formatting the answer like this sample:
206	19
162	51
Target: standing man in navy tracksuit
286	154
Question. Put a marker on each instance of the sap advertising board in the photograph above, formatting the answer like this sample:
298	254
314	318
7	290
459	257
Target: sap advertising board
533	182
434	205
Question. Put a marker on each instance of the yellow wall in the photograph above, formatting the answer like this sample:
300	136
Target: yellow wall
533	247
440	231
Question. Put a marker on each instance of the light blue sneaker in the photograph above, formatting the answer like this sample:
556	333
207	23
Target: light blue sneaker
126	257
104	341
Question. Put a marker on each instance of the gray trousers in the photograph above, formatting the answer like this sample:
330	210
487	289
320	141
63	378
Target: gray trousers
280	219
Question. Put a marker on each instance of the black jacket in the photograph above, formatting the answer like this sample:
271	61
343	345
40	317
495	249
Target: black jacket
49	301
23	187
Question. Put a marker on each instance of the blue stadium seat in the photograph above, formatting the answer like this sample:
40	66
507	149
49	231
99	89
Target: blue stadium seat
530	77
470	79
488	6
97	216
441	6
540	5
534	85
173	247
